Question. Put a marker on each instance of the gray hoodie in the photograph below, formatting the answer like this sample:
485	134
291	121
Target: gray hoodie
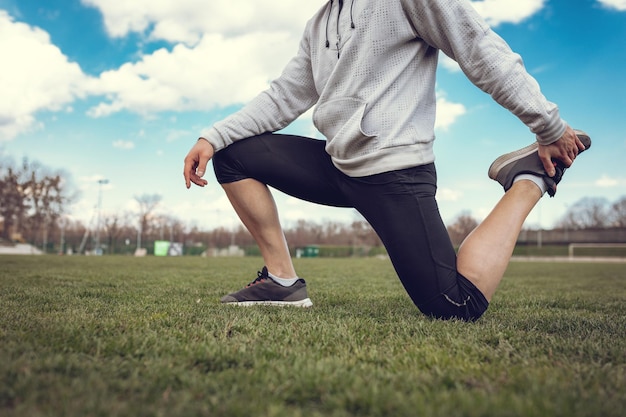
369	68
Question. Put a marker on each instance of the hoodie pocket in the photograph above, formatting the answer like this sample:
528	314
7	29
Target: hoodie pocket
342	122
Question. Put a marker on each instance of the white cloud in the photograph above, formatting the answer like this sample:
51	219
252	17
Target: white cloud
607	182
187	21
449	63
221	69
218	71
254	42
34	76
84	209
614	4
121	144
496	12
291	210
447	112
447	194
176	135
209	208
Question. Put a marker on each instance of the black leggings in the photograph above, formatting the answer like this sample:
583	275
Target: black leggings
399	205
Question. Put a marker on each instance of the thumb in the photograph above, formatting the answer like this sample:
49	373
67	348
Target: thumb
546	160
201	168
205	153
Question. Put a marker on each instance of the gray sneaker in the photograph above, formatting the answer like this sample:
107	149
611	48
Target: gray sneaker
526	161
265	291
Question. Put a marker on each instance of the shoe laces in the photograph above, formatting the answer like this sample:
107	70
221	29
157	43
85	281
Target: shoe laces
261	277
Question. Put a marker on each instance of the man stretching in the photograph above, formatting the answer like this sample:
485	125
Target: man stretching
368	67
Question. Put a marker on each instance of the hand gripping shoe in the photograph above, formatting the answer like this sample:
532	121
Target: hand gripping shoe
526	161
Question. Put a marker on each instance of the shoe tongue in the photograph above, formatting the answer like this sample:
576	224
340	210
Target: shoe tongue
264	272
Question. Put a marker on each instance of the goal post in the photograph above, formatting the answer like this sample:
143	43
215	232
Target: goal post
573	246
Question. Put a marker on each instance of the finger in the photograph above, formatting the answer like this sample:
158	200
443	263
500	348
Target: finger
572	155
567	161
548	165
188	169
192	178
201	167
200	182
567	158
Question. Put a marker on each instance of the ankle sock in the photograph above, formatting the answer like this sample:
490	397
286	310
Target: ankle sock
285	282
539	182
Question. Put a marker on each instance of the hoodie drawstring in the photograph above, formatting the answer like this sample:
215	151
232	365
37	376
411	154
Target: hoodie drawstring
351	19
330	8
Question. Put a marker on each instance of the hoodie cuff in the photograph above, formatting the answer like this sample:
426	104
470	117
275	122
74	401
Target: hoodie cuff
212	136
552	133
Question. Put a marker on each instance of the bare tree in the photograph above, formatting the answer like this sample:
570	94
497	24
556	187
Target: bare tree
147	204
116	225
13	205
48	199
461	228
32	198
586	213
177	229
617	213
304	232
363	234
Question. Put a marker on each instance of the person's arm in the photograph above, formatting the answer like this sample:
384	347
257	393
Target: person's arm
290	95
454	27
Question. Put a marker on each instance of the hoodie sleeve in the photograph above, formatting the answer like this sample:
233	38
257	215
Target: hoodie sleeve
454	27
287	97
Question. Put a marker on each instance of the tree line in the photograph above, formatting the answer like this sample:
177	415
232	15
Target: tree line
34	199
586	213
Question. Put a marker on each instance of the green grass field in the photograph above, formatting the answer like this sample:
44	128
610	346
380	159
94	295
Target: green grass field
123	336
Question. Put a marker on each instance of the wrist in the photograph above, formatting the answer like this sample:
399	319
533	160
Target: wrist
203	139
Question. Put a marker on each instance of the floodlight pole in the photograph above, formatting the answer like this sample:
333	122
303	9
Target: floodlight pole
97	249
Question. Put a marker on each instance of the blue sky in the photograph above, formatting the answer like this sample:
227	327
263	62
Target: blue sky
121	90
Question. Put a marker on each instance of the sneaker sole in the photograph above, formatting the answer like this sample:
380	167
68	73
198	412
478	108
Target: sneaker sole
300	303
510	157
